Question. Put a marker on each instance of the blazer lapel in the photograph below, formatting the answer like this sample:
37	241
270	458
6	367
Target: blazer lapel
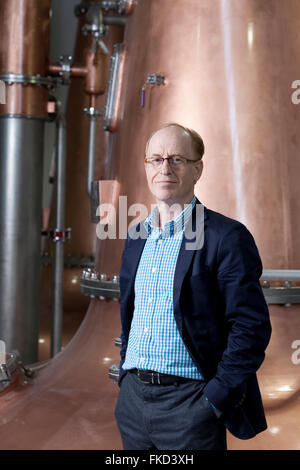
193	240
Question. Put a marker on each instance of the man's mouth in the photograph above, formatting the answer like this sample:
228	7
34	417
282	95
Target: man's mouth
165	181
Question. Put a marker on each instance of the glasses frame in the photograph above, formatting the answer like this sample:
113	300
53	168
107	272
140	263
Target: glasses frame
146	160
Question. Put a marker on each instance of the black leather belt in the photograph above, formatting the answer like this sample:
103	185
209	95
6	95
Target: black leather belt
151	377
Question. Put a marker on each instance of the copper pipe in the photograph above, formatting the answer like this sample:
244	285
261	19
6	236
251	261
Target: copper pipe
76	70
93	101
24	49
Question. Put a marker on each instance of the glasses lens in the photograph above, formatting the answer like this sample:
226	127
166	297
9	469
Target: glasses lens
173	161
155	162
177	161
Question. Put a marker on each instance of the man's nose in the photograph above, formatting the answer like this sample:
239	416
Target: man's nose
165	167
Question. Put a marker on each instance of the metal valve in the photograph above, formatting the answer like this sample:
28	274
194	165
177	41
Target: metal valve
152	79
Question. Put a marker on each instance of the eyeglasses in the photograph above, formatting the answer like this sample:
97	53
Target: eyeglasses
174	162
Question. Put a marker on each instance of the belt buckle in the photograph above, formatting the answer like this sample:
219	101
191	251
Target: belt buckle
152	378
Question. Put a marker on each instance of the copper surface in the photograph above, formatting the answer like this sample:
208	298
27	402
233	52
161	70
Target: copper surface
78	71
109	191
70	403
229	79
130	6
96	65
24	47
29	100
229	70
24	26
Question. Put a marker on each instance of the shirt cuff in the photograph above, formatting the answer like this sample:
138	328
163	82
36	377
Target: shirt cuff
216	409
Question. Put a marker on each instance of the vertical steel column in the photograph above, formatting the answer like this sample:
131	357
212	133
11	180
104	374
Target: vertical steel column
21	163
58	265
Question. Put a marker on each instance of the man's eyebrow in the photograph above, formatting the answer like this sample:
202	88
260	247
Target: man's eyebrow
169	155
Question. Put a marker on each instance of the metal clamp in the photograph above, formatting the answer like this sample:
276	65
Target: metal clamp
66	64
37	80
121	6
92	112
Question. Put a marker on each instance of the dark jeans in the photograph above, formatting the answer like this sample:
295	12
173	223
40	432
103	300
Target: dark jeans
167	417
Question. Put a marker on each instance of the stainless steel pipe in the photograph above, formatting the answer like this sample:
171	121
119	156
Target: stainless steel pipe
114	20
21	165
92	152
58	264
281	275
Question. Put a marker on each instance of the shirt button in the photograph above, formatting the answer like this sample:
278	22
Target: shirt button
146	330
142	359
149	300
153	270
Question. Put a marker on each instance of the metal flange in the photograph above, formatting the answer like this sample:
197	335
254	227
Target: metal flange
98	285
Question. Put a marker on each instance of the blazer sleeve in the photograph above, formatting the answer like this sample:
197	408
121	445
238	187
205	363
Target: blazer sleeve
239	268
123	339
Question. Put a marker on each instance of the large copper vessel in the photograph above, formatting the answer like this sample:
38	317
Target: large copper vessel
228	76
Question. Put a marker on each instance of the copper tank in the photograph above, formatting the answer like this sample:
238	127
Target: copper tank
227	73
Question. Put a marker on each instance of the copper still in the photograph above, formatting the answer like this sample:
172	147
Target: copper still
221	68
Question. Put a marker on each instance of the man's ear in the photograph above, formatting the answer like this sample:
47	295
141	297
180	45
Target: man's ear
199	169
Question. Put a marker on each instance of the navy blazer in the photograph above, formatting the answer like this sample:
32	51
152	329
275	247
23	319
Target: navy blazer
220	312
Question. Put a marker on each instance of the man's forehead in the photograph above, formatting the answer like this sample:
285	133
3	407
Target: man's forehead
170	139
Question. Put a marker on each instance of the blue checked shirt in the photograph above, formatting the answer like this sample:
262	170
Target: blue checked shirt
154	341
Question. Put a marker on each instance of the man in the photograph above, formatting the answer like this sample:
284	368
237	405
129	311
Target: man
195	323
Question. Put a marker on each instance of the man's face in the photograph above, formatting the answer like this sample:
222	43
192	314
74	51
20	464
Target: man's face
168	184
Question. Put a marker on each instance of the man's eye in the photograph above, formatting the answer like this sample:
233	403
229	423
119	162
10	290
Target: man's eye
156	160
177	160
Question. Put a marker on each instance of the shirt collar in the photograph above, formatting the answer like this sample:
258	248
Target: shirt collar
173	226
